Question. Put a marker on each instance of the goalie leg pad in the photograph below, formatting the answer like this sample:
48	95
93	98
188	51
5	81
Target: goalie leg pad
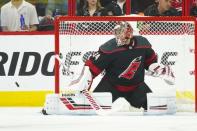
75	103
159	104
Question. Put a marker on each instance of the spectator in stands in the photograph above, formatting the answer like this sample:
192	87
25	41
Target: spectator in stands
118	7
161	8
11	14
92	8
193	10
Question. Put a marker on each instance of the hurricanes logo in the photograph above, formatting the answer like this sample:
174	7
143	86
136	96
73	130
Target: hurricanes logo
131	69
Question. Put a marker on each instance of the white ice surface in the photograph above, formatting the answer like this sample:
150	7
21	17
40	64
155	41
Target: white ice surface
30	119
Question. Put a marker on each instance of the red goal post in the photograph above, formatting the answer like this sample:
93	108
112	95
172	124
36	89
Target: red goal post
71	32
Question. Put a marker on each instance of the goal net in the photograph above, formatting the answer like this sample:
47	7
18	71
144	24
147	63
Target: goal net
173	40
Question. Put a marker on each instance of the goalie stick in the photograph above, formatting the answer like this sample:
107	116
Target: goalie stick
98	109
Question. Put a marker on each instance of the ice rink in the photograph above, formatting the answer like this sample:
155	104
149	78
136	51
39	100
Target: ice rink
30	119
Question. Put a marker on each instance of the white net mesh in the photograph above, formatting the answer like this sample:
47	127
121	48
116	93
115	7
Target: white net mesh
86	28
144	27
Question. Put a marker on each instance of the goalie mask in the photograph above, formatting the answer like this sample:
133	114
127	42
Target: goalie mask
123	33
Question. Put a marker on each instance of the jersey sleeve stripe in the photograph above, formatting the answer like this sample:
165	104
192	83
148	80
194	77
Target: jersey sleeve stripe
152	59
93	68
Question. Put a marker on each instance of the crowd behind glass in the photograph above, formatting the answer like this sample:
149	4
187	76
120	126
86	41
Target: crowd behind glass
47	10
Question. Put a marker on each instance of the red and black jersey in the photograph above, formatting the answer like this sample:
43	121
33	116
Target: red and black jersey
124	65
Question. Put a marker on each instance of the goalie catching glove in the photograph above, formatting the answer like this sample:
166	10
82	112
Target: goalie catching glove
83	82
164	72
